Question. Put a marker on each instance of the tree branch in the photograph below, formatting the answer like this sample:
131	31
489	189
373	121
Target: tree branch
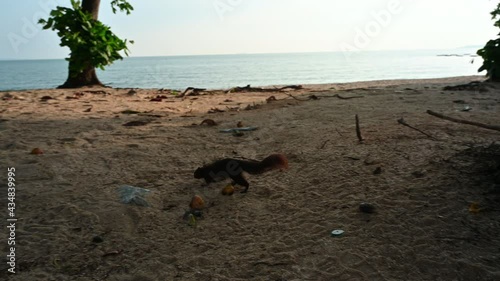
477	124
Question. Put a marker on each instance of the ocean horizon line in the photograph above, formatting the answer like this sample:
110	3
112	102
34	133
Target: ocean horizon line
264	53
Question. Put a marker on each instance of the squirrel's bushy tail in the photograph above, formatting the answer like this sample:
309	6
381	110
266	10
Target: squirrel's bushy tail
274	161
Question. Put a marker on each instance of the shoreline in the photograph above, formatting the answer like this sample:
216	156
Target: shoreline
94	101
365	83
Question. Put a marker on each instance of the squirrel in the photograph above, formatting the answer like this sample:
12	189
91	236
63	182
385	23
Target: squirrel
234	168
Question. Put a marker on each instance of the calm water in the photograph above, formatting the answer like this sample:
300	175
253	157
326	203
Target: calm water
225	71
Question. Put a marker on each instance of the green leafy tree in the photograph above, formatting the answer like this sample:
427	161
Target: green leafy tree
92	44
491	52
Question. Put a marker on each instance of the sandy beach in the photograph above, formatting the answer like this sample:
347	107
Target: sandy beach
436	195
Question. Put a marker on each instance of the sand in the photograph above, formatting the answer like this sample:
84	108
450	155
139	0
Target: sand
72	226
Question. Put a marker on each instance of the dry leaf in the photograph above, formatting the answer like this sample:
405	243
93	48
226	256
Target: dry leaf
36	151
474	208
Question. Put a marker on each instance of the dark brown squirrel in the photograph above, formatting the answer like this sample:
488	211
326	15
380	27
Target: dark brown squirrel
234	168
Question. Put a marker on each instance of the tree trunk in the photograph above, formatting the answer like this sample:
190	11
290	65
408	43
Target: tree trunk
91	6
88	76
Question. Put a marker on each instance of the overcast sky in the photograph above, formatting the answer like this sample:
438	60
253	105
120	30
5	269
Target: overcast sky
193	27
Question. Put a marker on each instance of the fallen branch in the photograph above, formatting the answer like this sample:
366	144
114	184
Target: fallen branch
472	86
403	122
358	130
293	87
248	88
342	98
477	124
191	91
311	97
96	92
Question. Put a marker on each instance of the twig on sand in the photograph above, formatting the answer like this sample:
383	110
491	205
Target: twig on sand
472	86
314	97
311	97
293	87
343	98
248	88
403	122
461	121
324	144
358	130
339	132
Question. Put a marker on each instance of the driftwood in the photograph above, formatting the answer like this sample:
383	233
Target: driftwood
292	87
472	86
403	122
191	91
314	97
311	97
477	124
342	98
358	130
248	88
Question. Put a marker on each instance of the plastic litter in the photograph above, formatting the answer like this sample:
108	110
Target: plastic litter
467	108
337	233
133	195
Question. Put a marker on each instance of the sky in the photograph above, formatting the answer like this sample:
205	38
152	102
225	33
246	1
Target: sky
197	27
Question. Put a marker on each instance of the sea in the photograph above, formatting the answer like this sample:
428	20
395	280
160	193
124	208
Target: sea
226	71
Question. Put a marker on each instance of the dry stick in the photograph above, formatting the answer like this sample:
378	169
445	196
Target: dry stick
341	97
324	144
295	98
257	89
403	122
482	125
314	97
358	130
